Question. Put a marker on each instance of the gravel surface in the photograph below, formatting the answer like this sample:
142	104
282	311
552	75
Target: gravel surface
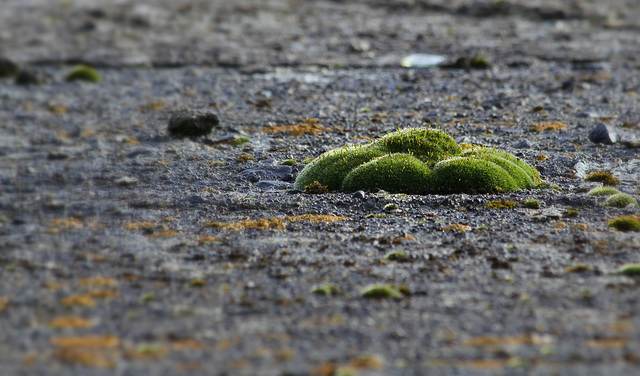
128	250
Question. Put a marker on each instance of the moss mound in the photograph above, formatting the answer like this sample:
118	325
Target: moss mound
603	191
418	161
628	223
620	200
83	73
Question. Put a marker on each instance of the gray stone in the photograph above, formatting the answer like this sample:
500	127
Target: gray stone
274	185
524	144
603	134
280	172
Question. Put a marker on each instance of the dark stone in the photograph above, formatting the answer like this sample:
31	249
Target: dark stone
8	68
28	77
358	195
524	144
603	134
186	123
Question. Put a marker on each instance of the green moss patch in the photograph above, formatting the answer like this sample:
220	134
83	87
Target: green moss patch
620	200
83	73
381	291
418	161
603	191
627	223
629	269
603	177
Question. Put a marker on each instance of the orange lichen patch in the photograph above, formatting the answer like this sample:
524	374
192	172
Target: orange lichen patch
62	224
132	226
70	322
84	357
152	106
262	223
306	126
82	300
53	285
98	281
547	126
315	218
146	352
612	343
93	342
595	77
284	354
165	233
265	223
621	327
207	239
130	140
400	239
238	363
326	369
366	362
457	227
29	358
490	341
187	344
3	303
58	110
103	294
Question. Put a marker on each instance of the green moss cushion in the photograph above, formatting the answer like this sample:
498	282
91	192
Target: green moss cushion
418	161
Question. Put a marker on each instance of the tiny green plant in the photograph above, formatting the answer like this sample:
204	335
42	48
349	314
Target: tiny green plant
289	162
391	207
626	223
397	256
83	73
241	140
325	289
316	188
381	291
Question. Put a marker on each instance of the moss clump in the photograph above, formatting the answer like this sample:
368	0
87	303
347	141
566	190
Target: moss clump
289	162
240	141
501	205
380	291
391	207
627	223
397	256
316	188
326	289
83	73
603	191
620	200
603	177
418	161
629	269
531	204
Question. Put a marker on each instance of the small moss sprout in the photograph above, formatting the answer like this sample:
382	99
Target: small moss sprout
603	191
603	177
531	204
620	200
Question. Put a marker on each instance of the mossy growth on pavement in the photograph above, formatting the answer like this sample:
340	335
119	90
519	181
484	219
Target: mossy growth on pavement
418	161
620	200
603	177
625	224
629	270
603	191
83	73
531	203
381	291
